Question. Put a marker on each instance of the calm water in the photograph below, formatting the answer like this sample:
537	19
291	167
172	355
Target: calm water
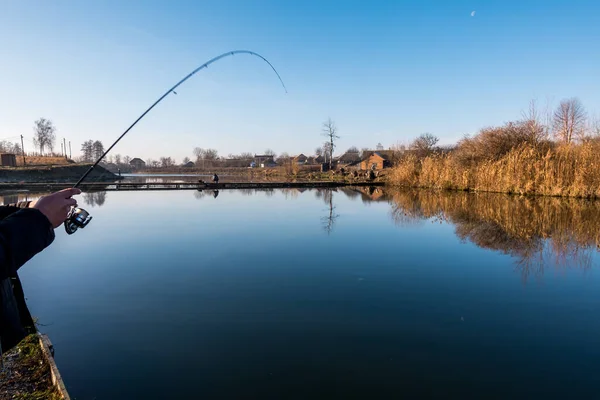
323	294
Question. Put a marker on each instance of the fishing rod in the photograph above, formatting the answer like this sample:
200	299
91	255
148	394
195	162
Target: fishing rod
78	217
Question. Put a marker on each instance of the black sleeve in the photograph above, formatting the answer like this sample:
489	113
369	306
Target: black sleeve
5	211
23	234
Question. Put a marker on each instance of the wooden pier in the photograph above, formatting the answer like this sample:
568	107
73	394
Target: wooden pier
126	186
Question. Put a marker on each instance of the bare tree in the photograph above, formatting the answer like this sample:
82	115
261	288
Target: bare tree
166	162
44	134
117	159
424	144
379	146
198	152
353	149
537	130
186	160
97	149
269	152
330	131
87	148
569	120
319	151
126	160
246	156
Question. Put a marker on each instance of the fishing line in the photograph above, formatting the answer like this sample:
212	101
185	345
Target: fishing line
78	217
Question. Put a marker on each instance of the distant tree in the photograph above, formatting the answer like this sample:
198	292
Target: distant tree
10	147
327	151
246	156
126	160
319	151
569	120
353	149
424	144
186	160
538	131
379	146
166	162
269	152
329	130
44	134
198	152
283	158
97	149
117	159
364	151
87	150
211	154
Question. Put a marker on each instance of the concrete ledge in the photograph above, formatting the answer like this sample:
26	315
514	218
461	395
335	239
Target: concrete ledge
48	350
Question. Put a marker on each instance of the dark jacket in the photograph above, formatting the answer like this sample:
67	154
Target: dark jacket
24	232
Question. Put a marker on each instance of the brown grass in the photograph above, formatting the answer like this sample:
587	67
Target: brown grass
42	160
568	170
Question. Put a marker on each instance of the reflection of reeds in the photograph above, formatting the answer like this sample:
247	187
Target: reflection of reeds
530	228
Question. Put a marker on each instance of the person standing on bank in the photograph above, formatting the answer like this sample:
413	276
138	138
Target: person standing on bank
26	228
215	178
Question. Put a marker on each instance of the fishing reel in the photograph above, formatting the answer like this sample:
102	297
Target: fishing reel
77	218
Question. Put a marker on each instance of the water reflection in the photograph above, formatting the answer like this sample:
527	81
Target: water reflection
94	199
533	230
328	221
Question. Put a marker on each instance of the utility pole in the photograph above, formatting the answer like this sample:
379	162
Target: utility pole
65	144
70	154
23	150
62	151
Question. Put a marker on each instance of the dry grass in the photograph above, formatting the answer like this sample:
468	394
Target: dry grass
525	169
42	160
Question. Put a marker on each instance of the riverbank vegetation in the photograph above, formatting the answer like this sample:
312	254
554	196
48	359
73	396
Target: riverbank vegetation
26	373
556	155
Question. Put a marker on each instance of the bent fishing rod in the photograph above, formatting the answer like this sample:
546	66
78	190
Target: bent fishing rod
78	217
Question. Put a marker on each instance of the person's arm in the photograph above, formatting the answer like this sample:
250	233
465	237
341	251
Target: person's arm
23	234
29	230
7	210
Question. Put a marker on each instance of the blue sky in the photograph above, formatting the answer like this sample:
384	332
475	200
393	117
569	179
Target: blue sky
384	71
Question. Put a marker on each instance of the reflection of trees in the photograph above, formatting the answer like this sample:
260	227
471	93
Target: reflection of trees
95	198
329	220
534	230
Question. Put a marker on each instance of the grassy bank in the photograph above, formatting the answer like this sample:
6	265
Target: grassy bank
55	173
526	168
27	374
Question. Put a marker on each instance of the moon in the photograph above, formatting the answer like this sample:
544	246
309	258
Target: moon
472	13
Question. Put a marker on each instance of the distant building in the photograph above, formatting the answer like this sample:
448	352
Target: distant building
263	161
8	160
348	158
189	164
300	159
377	160
137	163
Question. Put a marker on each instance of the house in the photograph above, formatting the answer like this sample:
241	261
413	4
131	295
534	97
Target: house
262	161
137	163
300	159
189	164
377	160
8	160
348	158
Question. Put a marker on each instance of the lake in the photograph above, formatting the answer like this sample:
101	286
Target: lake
298	294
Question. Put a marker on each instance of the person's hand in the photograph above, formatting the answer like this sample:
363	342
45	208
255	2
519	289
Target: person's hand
56	206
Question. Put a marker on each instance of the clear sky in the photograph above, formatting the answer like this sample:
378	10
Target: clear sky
384	71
